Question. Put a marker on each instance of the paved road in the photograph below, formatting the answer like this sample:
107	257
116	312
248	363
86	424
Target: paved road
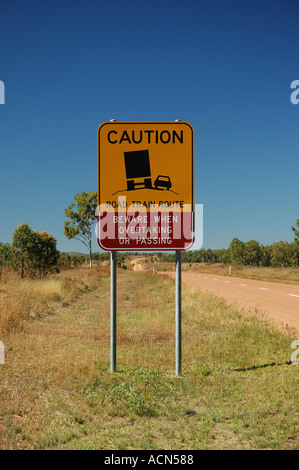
279	302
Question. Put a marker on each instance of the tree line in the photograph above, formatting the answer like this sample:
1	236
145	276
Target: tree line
34	253
250	253
81	215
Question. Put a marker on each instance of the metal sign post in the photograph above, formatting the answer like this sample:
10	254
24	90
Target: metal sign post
113	311
178	313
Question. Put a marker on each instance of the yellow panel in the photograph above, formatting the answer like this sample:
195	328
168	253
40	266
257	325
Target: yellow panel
162	163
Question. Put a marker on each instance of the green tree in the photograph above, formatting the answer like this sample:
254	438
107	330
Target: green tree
296	231
253	253
78	260
282	253
5	254
295	258
21	243
236	251
81	215
34	253
219	255
64	261
46	255
266	255
226	258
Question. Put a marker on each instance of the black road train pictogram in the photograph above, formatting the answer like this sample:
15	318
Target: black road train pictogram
138	167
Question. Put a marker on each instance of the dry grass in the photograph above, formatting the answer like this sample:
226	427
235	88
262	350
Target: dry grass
237	392
11	313
284	275
31	298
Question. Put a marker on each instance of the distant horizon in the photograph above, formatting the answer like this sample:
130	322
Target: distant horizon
97	249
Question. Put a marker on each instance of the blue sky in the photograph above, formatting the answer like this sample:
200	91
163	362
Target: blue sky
225	67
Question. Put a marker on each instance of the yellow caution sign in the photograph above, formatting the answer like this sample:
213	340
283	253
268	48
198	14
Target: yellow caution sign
145	169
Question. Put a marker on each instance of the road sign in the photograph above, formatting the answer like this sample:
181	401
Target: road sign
145	186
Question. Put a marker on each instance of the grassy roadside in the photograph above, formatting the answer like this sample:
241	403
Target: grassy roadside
238	389
262	273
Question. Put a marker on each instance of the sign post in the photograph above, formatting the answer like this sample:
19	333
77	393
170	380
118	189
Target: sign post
145	198
178	313
113	311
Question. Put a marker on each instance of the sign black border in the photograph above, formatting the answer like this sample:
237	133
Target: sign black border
99	169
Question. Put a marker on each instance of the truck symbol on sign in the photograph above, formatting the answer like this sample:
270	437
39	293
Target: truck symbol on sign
138	168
